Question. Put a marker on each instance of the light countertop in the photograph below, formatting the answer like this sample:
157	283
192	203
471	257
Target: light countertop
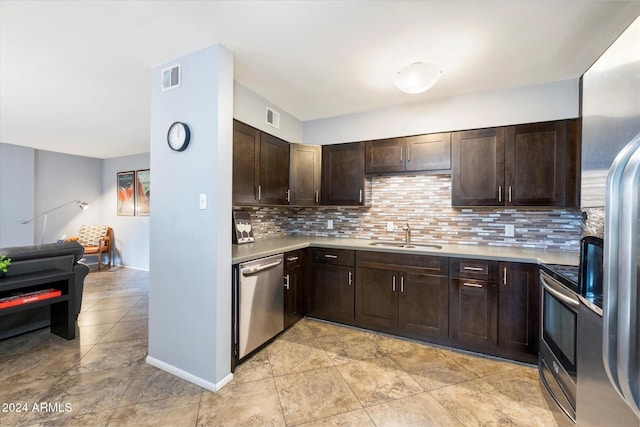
263	248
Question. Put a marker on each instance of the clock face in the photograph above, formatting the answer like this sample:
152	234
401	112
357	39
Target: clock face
178	136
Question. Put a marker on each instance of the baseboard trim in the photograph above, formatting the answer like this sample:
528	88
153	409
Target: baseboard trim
189	377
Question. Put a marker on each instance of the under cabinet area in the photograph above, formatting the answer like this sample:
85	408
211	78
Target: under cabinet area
331	284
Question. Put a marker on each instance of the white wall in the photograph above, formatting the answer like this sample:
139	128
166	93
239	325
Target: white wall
552	101
131	233
17	194
190	255
61	178
250	108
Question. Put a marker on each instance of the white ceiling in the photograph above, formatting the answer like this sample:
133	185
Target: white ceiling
75	75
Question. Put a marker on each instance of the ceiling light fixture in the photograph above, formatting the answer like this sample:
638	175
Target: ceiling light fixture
417	77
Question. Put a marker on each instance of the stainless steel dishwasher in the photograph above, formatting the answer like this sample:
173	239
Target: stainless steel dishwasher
260	303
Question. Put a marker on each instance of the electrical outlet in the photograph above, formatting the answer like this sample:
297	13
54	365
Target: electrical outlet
203	200
390	226
330	224
509	230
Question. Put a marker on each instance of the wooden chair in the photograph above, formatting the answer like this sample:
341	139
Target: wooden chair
96	240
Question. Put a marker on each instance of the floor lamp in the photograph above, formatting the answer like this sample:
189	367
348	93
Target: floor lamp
81	205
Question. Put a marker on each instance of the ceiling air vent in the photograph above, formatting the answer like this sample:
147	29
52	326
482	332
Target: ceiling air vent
273	118
171	77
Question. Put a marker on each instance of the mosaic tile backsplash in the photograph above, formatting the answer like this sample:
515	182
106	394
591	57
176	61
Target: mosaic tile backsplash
424	202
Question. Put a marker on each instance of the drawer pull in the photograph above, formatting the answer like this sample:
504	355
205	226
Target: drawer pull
472	285
474	268
331	256
292	258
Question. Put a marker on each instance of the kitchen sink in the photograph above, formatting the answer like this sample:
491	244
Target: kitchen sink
405	245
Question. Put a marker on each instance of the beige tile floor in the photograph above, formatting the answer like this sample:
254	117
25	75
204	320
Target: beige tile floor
315	374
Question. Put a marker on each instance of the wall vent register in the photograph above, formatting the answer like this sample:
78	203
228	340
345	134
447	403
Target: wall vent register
273	118
171	77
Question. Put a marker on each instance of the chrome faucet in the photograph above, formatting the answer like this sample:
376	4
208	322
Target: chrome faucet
407	233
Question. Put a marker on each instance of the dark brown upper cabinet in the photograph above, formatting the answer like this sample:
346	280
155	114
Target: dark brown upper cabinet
430	152
305	174
477	170
246	163
260	167
343	180
523	165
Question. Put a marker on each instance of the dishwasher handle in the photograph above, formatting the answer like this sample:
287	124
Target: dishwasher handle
259	268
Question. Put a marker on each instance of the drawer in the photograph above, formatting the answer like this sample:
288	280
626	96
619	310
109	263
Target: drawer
333	256
410	263
474	269
293	259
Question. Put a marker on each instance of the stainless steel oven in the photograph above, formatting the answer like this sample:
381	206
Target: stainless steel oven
558	345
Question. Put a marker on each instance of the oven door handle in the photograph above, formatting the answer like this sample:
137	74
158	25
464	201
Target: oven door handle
573	303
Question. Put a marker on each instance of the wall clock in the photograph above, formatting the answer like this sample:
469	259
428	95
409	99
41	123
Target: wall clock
178	136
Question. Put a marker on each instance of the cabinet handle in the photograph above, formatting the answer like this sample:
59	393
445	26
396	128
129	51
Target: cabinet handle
289	195
393	283
292	258
259	192
499	193
472	285
350	278
400	153
474	268
504	276
360	198
402	284
509	194
317	196
331	256
286	282
408	154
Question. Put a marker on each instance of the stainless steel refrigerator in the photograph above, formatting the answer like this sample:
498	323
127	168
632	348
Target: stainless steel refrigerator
608	379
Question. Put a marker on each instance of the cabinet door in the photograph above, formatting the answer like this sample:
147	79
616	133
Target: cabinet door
305	174
385	155
423	306
332	294
428	152
377	299
536	164
274	170
246	163
518	310
474	314
477	175
293	295
343	174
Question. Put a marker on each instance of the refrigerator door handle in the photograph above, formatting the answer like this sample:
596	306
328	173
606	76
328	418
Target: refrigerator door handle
620	291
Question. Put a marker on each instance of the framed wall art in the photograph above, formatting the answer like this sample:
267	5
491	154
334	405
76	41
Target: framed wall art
143	192
242	230
126	193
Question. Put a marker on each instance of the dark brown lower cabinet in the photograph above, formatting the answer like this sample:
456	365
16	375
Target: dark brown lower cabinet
423	306
519	311
474	314
331	285
294	280
407	304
